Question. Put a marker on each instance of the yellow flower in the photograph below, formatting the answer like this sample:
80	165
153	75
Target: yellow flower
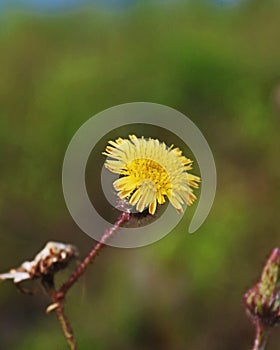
150	171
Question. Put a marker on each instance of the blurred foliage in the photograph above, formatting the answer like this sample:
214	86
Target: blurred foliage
221	67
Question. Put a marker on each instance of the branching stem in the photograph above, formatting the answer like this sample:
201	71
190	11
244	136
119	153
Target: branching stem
58	296
48	284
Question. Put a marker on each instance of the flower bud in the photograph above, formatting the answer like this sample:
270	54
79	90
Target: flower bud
263	300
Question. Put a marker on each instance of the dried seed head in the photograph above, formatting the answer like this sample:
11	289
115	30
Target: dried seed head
53	257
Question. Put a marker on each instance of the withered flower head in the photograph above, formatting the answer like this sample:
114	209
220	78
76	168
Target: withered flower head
52	258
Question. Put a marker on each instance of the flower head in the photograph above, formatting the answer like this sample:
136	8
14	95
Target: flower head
54	257
151	171
263	300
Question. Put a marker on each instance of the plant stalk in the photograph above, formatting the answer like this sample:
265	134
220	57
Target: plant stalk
261	337
60	294
48	284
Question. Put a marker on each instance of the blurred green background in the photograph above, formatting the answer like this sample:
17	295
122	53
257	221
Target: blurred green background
219	65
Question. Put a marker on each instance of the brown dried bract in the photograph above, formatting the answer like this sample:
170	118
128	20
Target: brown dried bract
53	257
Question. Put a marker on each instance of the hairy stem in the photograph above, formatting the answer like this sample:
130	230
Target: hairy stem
90	257
66	327
58	296
48	284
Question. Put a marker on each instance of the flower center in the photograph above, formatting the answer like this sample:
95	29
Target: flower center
147	169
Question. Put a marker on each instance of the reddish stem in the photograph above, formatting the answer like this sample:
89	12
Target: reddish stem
260	337
60	294
48	284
